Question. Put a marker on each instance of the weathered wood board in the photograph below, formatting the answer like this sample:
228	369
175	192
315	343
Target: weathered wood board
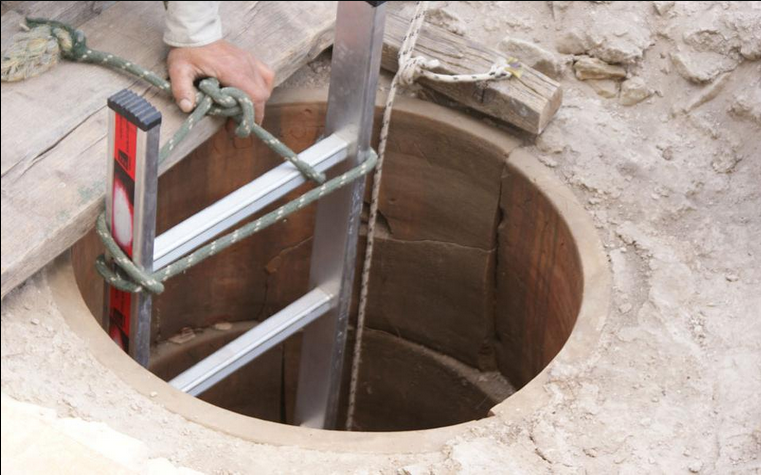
528	102
54	125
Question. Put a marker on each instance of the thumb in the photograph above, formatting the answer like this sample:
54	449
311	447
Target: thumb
182	76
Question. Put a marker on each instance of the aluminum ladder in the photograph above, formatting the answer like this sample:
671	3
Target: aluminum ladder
322	312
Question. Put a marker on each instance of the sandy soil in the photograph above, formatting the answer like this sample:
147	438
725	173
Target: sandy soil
667	159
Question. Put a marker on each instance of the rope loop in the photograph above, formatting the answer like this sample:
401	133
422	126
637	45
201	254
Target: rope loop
420	67
125	276
413	68
234	103
72	41
229	102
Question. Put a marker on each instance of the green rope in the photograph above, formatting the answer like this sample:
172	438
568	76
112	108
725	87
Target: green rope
211	100
137	280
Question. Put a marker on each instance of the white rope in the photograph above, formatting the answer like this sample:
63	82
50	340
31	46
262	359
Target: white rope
409	70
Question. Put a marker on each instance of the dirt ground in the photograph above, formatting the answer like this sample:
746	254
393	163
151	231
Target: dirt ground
663	150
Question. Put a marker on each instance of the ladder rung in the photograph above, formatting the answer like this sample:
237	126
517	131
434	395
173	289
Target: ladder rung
253	343
244	202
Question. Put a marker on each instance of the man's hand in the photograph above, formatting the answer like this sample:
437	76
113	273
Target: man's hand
224	61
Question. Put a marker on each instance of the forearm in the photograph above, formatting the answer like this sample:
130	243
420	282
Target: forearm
192	23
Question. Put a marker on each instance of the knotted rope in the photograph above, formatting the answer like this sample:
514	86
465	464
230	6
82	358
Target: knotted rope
137	280
32	52
410	68
23	60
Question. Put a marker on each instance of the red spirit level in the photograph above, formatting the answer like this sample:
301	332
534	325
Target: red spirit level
133	149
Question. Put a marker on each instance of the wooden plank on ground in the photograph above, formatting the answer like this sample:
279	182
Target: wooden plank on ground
528	103
54	126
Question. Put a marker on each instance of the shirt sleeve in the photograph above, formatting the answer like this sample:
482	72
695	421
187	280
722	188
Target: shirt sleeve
192	23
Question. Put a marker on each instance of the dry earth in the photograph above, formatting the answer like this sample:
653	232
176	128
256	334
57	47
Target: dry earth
664	151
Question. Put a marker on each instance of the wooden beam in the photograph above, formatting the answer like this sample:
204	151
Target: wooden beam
54	125
528	102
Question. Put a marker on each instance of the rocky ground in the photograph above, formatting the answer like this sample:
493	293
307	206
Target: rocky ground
659	136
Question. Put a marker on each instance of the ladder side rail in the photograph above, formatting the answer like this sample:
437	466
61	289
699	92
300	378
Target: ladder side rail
355	68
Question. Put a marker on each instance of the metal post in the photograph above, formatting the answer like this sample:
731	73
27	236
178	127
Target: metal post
133	149
351	104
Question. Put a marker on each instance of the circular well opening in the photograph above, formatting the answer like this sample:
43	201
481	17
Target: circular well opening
478	276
